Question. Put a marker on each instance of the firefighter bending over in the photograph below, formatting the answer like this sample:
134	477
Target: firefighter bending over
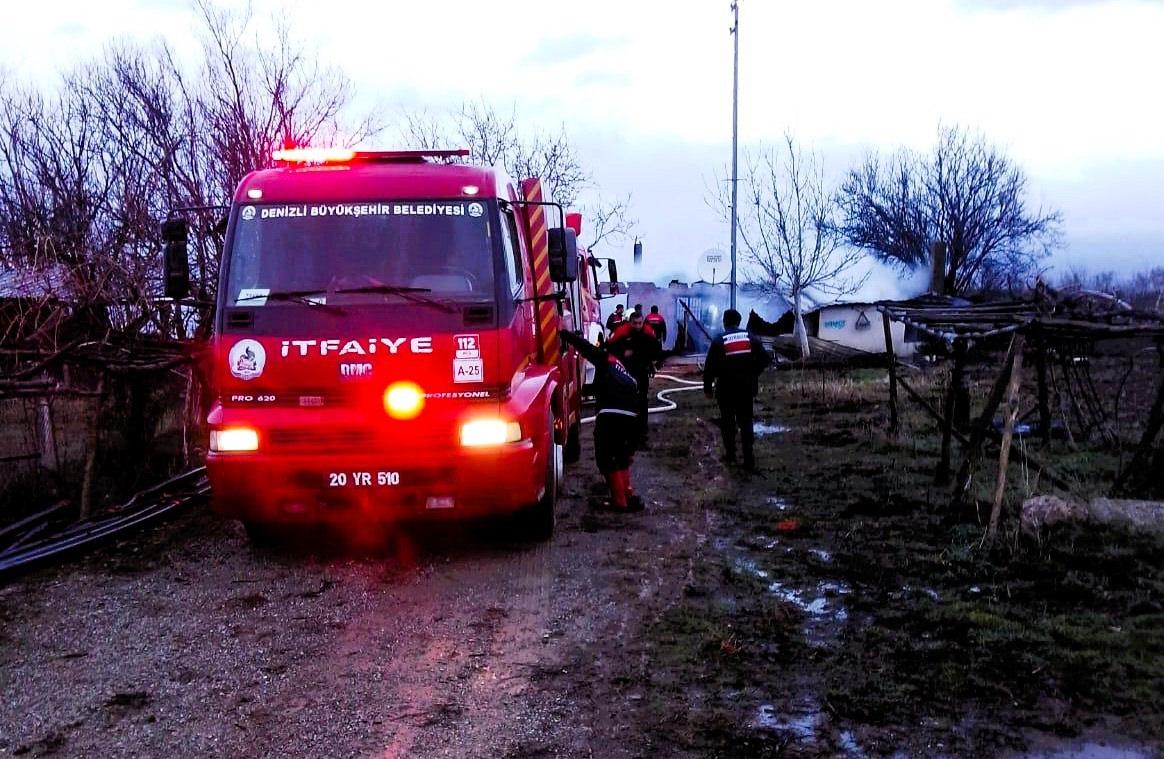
616	421
733	366
635	344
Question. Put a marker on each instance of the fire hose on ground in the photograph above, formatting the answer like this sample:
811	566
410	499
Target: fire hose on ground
30	547
664	395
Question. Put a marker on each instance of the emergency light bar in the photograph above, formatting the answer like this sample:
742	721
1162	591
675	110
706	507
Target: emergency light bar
346	155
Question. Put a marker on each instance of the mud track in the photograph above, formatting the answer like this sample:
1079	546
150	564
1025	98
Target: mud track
828	608
443	641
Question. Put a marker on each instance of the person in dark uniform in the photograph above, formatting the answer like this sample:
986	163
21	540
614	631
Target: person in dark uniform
731	375
615	423
638	349
658	324
615	319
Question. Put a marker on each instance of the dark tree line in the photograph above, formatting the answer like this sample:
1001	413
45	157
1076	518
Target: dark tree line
88	171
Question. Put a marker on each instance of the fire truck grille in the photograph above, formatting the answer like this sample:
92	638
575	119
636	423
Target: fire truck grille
349	440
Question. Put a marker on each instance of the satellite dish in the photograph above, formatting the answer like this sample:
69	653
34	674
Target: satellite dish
714	267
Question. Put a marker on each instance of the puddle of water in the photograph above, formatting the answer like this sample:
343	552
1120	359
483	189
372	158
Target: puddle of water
822	609
929	593
848	744
744	565
778	503
1093	751
802	724
760	542
762	428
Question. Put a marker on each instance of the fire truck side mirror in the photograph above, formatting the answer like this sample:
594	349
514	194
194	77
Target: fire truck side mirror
563	255
175	260
612	270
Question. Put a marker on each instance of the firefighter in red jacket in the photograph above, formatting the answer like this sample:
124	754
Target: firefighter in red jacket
637	347
658	324
615	423
733	366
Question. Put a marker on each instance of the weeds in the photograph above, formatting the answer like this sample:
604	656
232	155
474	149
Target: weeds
940	624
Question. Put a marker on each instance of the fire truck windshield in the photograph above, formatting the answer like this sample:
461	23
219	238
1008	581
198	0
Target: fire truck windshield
361	253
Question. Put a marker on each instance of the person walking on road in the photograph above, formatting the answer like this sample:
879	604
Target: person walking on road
635	344
615	422
731	375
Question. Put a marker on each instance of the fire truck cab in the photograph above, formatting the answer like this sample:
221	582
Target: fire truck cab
386	342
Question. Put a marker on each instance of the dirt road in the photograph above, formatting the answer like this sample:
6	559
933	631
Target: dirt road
827	608
443	642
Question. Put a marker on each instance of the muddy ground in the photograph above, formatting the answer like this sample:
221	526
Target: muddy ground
831	607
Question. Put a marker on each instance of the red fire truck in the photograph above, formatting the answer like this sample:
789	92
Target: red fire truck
386	341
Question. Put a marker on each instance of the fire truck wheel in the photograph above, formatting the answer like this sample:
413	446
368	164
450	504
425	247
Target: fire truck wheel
574	443
537	521
261	533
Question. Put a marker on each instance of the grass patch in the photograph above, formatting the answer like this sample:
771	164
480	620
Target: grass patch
938	625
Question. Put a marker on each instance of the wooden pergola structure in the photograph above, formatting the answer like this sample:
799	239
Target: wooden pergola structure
1051	325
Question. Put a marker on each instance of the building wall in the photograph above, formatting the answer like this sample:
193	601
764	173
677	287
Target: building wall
842	324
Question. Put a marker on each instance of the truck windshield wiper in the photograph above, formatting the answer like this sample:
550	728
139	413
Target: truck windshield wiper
294	296
408	293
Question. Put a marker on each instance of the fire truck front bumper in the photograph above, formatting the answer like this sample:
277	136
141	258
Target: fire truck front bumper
378	486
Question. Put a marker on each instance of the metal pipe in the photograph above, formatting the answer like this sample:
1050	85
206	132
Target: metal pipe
735	31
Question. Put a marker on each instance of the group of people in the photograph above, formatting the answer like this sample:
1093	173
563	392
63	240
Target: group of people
624	365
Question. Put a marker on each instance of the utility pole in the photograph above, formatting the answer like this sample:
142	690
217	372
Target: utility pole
735	32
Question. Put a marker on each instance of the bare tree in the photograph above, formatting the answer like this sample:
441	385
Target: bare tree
607	222
788	229
497	138
968	194
90	168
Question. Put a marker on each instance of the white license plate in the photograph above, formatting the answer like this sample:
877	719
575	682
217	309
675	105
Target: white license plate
359	478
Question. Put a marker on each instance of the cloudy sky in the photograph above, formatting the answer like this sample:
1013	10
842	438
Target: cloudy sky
1069	87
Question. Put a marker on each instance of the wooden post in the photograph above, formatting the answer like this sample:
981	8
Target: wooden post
1155	421
962	401
1044	396
942	475
892	358
1012	409
1023	458
46	435
978	433
93	441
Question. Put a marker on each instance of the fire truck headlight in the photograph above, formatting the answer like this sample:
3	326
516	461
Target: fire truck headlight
403	400
234	440
482	432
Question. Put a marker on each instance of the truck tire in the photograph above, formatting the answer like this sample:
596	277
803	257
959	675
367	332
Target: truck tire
537	521
573	450
262	534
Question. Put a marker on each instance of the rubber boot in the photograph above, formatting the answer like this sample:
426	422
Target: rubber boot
633	502
617	489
